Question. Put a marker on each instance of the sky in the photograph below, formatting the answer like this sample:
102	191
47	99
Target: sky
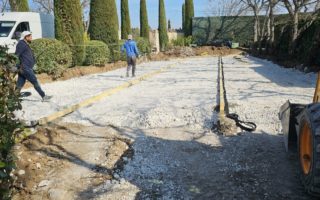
173	11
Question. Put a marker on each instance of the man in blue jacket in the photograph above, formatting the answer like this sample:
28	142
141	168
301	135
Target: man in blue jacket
27	62
132	53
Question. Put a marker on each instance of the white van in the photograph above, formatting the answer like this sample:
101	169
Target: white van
12	24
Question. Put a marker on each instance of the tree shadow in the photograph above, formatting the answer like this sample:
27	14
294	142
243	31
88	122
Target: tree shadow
251	166
293	78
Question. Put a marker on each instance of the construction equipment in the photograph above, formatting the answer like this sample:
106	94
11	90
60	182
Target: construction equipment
301	129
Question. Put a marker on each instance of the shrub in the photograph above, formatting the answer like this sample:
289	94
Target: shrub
97	53
183	41
123	56
9	102
178	42
143	45
188	41
307	44
53	57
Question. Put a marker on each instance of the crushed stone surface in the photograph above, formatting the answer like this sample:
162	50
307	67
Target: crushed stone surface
169	118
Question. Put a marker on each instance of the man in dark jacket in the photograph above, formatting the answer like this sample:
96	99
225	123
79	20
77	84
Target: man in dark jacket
132	53
27	62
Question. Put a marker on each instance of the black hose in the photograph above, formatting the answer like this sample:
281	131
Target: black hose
247	126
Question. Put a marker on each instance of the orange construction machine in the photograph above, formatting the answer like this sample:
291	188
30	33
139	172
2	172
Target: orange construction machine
301	129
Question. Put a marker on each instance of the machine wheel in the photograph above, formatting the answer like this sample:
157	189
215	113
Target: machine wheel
309	148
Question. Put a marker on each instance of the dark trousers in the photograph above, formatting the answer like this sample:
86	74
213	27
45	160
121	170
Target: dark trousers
28	74
131	60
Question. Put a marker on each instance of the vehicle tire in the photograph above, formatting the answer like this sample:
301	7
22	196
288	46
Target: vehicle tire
309	148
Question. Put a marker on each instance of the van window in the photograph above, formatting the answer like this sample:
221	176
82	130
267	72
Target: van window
23	26
5	28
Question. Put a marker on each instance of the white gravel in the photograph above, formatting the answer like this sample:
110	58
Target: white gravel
169	117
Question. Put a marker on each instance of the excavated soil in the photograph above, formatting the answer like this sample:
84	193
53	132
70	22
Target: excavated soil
61	159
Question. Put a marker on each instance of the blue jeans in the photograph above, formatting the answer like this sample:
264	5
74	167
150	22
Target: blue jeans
28	74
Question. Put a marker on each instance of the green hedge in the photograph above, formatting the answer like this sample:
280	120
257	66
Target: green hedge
307	45
9	124
97	53
143	45
307	49
123	56
282	39
53	57
183	41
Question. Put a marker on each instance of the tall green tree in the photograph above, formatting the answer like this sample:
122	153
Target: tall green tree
163	34
169	24
69	28
19	5
144	25
183	16
125	20
189	14
104	24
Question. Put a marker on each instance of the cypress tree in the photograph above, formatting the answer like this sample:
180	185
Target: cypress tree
169	24
125	20
163	35
104	24
189	14
69	28
19	5
183	16
144	26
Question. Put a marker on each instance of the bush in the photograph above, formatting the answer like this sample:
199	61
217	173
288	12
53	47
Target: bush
282	39
306	49
178	42
183	41
53	57
143	45
9	102
97	53
123	56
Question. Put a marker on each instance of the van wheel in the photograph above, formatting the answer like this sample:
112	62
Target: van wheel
309	148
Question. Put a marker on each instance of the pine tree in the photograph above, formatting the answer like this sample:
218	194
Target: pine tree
125	20
69	28
169	24
163	35
144	26
19	5
189	14
104	24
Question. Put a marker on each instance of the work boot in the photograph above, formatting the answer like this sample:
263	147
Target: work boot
46	98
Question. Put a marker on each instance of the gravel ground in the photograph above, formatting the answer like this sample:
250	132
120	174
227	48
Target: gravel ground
176	155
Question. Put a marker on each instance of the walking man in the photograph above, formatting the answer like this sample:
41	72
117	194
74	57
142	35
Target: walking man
27	62
132	53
